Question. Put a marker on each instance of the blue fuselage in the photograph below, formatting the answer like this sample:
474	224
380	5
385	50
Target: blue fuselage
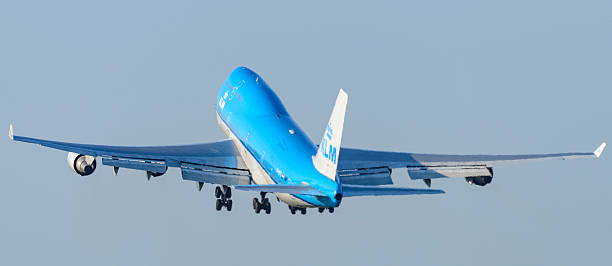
261	125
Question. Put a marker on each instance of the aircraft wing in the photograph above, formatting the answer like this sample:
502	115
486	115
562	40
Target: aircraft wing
213	162
358	165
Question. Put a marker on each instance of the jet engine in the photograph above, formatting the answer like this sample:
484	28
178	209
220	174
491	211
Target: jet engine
82	164
479	180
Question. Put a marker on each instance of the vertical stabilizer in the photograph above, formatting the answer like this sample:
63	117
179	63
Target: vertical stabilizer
326	159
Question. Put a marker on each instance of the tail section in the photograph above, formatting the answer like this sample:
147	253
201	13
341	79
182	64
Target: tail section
326	159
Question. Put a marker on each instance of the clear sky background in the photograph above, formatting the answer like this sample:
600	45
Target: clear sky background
423	76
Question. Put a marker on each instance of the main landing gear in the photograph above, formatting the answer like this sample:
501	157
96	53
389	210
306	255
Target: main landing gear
264	204
223	196
295	209
331	210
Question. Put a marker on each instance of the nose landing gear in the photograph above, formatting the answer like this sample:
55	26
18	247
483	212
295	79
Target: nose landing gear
223	196
264	204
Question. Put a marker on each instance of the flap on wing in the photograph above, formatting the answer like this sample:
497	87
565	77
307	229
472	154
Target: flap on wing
442	172
356	191
282	188
215	175
368	177
145	165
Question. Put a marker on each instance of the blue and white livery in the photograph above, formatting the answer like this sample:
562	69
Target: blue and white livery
267	152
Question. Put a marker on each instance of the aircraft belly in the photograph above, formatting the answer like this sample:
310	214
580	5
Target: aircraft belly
292	200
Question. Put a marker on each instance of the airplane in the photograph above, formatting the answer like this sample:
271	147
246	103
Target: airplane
267	152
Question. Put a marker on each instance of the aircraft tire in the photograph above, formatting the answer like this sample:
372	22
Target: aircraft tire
228	205
227	191
331	210
321	210
218	192
256	205
218	204
303	210
267	206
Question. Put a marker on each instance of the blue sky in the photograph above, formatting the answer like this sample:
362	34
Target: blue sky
434	76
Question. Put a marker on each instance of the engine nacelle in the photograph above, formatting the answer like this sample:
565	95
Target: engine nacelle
479	180
82	164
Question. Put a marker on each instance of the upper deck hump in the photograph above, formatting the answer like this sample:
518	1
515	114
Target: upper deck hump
245	92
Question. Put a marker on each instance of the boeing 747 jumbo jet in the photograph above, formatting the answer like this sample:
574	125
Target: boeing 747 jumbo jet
267	152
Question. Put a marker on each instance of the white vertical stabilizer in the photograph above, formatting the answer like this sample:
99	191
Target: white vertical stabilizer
326	159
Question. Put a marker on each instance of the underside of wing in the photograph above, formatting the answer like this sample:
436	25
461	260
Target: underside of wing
197	153
475	168
213	162
358	158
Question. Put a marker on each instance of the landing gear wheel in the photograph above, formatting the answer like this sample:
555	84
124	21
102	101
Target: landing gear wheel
263	204
223	198
292	209
255	203
331	210
218	192
219	205
267	206
321	210
227	191
303	210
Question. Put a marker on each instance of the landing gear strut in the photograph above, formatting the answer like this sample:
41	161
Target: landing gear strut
264	204
223	196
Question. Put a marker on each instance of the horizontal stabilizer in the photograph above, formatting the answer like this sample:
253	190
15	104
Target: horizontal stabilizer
356	191
282	188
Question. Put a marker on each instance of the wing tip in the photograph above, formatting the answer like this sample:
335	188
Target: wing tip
599	149
343	93
10	134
